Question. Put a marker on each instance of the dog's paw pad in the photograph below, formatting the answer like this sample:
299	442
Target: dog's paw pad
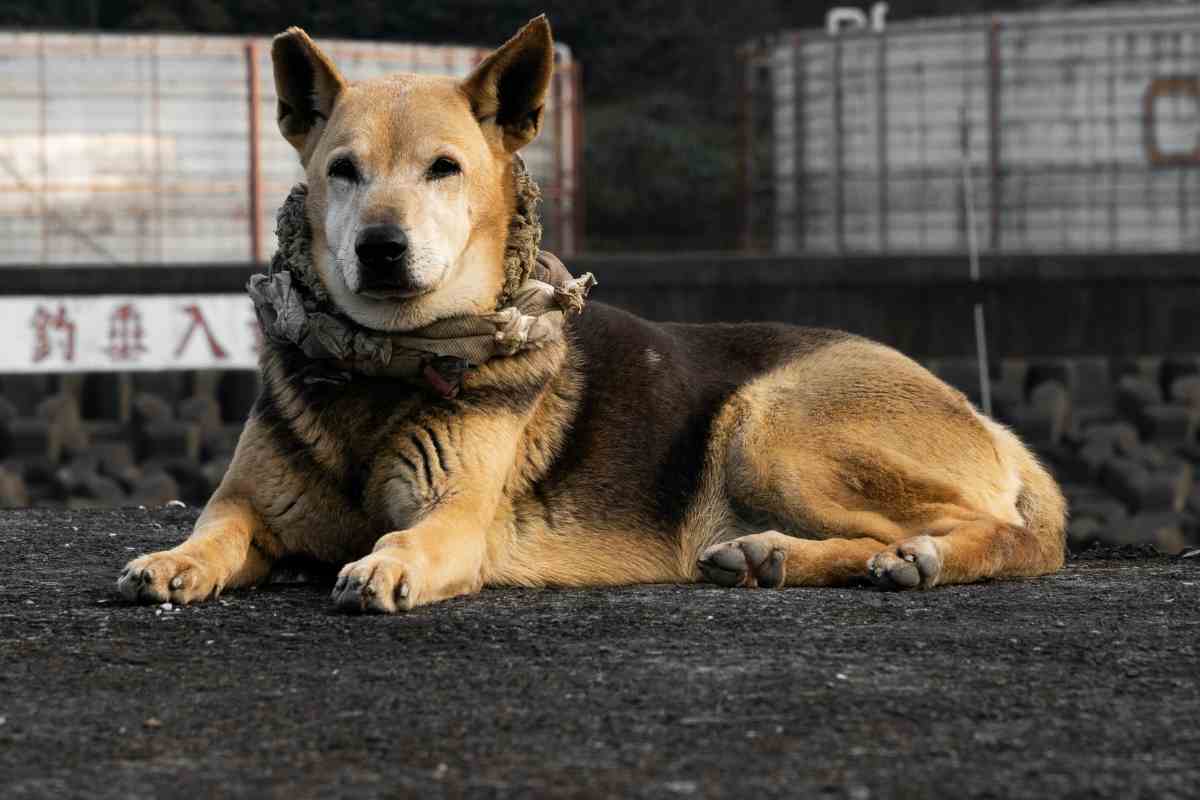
915	563
748	561
379	583
166	577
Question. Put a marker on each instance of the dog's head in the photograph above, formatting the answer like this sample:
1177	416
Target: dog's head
410	185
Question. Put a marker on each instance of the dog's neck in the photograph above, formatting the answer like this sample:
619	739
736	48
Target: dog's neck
294	307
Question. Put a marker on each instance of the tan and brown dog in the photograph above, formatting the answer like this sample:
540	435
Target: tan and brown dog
626	452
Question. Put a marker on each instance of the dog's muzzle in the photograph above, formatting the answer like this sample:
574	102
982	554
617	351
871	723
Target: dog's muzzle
383	261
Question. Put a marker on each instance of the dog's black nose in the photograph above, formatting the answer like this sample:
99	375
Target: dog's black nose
380	250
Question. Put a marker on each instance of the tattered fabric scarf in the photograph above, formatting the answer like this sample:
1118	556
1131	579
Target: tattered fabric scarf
293	307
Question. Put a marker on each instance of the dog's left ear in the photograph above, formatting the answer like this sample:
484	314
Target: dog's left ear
508	88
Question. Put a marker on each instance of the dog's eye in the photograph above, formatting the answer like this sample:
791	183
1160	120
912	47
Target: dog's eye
443	168
344	168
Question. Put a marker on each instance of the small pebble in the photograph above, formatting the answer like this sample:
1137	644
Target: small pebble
152	722
166	606
176	504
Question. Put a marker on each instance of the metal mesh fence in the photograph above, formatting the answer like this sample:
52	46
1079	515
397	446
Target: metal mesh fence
1081	129
141	150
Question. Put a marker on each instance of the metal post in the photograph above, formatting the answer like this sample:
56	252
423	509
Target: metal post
156	115
839	221
43	132
577	180
800	219
981	350
254	187
560	232
881	139
745	150
1114	176
995	86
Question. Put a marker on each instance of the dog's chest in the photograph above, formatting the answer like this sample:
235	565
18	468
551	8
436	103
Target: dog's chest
360	459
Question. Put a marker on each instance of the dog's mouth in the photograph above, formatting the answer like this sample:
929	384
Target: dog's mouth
395	295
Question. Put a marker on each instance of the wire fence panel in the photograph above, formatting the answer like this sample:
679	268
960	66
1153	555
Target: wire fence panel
1081	129
142	150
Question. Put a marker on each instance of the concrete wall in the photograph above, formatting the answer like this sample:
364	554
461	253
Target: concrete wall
1136	304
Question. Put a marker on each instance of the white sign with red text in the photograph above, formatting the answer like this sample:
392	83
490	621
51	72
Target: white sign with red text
118	333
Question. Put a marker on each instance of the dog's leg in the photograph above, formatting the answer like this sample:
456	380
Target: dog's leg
436	560
221	552
967	551
771	559
443	554
958	548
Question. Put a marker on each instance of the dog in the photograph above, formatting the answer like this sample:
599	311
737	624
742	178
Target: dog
621	452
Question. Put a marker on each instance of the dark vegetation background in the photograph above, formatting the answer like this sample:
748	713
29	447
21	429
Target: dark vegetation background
660	81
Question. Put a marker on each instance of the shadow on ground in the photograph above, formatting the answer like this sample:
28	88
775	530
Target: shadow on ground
1083	684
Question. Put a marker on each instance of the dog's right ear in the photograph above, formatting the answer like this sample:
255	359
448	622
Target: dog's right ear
508	89
307	84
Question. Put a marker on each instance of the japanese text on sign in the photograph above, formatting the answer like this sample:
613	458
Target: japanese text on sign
119	333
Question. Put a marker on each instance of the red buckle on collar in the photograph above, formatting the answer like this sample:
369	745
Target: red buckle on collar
444	375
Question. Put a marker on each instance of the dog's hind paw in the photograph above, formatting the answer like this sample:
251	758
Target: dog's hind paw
915	563
755	560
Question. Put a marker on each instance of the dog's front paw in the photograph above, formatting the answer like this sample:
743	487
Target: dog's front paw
384	582
915	563
166	576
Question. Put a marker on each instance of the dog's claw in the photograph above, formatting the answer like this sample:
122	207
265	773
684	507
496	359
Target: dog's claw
381	583
174	578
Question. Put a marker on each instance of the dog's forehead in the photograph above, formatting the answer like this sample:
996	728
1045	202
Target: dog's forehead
404	113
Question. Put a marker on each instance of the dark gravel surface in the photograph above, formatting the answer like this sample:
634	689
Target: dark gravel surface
1079	685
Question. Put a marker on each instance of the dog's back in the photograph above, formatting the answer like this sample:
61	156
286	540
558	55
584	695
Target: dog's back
652	393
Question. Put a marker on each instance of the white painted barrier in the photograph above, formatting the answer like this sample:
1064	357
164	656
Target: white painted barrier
128	333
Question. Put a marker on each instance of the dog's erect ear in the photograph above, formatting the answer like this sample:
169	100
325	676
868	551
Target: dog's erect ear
508	88
307	84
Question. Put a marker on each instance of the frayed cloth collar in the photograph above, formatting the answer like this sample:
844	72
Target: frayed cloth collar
294	308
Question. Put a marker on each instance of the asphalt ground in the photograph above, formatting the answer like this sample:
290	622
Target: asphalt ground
1083	684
